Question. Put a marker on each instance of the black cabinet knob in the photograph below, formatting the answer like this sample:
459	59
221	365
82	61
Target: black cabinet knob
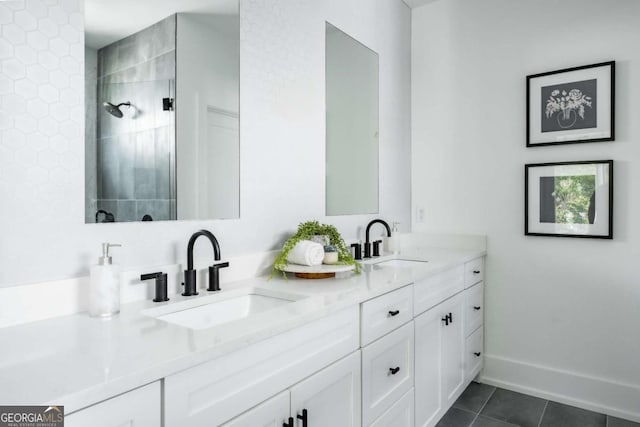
289	424
303	417
394	370
477	354
476	271
445	319
394	312
476	307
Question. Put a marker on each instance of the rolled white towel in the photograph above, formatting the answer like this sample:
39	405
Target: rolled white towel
306	252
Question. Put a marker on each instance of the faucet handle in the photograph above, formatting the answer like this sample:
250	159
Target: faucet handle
161	285
357	252
376	247
214	276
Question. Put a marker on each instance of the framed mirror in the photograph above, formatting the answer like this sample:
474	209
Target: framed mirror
162	110
352	163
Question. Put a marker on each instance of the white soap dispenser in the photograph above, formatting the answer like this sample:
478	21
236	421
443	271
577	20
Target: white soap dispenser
393	242
104	286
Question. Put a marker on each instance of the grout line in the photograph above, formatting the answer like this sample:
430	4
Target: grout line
543	411
482	407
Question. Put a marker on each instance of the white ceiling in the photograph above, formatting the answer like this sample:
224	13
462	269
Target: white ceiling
109	20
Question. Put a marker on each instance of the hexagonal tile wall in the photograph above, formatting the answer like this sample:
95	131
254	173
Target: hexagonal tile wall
41	81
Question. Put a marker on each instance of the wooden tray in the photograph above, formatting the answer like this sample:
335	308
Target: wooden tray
324	271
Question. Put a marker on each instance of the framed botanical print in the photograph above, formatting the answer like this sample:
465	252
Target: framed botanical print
569	199
571	105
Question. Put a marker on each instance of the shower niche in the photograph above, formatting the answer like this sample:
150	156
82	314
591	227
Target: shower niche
162	113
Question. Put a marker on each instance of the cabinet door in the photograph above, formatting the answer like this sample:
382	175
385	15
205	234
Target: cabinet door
272	413
439	362
453	349
331	397
428	367
137	408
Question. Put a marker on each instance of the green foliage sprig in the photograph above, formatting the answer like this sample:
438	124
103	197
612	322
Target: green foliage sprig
306	231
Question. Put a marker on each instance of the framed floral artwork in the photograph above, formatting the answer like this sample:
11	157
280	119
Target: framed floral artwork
569	199
571	106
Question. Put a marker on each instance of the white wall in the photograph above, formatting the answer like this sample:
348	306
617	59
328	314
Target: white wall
43	235
562	314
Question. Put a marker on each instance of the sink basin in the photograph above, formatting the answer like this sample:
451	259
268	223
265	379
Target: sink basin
402	263
217	310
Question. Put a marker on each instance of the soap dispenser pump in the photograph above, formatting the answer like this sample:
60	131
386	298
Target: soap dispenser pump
104	286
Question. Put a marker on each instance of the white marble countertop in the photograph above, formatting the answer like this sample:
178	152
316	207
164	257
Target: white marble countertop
77	360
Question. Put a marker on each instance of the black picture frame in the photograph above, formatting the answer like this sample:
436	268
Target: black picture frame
555	199
570	106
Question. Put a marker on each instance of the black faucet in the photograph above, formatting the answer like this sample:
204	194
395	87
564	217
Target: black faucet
367	244
190	285
161	285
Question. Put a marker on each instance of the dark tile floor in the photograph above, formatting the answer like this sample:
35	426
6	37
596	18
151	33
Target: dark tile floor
485	406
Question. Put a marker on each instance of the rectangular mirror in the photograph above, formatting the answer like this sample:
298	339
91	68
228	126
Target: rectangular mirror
351	125
162	110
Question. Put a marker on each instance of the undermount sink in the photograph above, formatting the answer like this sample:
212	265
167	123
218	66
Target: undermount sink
402	263
216	310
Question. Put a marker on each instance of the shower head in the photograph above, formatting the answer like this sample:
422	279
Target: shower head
114	110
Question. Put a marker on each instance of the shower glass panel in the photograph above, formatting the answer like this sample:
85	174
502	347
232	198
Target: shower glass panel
135	153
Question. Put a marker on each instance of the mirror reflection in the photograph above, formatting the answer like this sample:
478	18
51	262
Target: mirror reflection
162	110
351	125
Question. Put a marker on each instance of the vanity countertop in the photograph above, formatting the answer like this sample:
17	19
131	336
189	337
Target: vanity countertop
77	360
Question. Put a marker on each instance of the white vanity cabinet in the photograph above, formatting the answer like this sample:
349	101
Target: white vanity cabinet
138	408
439	365
387	354
399	415
217	391
330	397
474	317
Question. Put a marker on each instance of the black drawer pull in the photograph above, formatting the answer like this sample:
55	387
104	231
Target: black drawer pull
477	354
303	417
394	312
476	271
476	307
394	370
448	319
289	424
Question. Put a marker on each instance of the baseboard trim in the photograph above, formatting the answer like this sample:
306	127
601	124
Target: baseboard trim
571	388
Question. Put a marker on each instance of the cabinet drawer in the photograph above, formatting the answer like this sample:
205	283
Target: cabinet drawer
399	415
437	288
473	272
387	371
271	413
385	313
218	390
139	407
474	356
473	308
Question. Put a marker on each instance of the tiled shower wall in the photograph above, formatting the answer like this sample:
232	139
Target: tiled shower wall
136	153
